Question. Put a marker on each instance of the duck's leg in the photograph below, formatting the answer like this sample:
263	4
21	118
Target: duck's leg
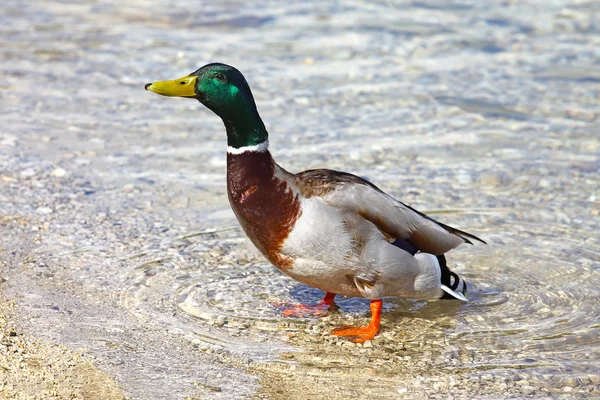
364	333
301	310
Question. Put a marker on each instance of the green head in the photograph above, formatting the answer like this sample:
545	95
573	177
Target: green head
224	90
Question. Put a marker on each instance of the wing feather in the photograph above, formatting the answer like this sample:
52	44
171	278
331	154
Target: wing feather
392	217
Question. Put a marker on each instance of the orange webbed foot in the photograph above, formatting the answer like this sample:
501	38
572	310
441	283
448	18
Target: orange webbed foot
362	334
357	334
302	311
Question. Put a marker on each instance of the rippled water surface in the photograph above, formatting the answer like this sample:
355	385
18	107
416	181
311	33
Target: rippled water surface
117	234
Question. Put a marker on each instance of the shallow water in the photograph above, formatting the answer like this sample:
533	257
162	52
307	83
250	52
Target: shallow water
117	234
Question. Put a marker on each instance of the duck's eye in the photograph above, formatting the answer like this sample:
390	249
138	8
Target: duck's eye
220	77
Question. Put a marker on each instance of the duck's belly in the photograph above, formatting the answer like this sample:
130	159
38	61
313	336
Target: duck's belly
324	246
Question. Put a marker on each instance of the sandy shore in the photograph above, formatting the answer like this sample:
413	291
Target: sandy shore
31	368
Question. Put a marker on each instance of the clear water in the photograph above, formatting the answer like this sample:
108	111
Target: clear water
117	234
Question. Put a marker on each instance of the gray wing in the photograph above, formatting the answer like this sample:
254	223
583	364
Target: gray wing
392	217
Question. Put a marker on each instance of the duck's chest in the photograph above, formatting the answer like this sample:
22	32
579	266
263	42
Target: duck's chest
266	207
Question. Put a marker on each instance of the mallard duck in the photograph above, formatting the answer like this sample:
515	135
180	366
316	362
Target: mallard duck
327	229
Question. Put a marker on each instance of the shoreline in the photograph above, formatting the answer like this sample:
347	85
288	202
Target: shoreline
33	368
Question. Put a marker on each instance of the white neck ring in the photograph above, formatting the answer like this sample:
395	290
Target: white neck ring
259	148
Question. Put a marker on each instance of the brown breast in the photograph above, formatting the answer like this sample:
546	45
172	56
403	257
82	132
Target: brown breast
264	205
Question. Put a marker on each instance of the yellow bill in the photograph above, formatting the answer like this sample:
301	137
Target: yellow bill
182	87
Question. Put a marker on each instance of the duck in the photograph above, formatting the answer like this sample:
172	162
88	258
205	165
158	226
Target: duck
328	229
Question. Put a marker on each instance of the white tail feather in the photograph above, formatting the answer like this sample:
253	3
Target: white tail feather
454	294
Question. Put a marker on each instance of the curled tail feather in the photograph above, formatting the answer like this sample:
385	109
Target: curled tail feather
453	286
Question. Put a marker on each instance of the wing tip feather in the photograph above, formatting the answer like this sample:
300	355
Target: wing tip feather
468	236
465	236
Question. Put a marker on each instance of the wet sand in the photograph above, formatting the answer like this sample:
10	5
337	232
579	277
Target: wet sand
41	369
